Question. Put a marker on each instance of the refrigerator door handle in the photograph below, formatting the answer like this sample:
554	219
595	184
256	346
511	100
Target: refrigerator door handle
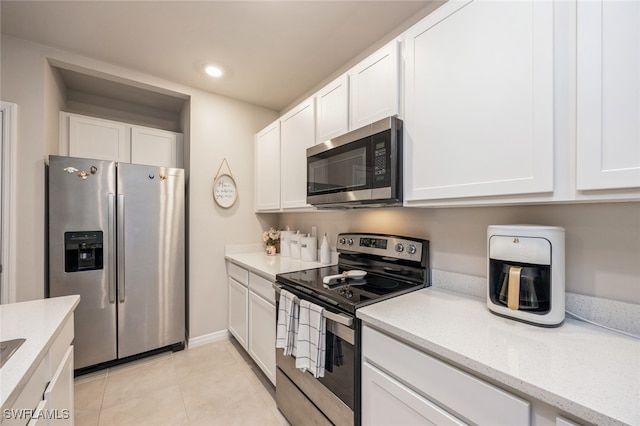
121	233
111	273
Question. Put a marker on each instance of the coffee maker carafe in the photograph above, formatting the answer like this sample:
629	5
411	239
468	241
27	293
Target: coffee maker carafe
526	273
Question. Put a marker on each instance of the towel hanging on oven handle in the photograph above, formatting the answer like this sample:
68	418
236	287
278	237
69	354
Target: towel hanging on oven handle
339	318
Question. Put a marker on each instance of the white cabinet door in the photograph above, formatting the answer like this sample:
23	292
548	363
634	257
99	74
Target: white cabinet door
385	401
238	314
59	392
267	168
41	415
438	382
332	103
608	95
298	133
375	86
479	101
155	147
262	334
98	139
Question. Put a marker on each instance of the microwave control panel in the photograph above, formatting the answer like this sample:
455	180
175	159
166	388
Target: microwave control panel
380	161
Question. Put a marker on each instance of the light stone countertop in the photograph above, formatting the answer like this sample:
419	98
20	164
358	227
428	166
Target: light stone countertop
579	368
268	266
39	322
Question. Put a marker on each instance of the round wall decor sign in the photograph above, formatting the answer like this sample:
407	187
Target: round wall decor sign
225	192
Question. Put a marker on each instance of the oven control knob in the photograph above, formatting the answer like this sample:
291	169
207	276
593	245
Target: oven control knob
411	249
350	241
399	248
342	240
346	293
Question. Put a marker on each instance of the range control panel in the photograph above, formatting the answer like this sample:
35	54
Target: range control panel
382	245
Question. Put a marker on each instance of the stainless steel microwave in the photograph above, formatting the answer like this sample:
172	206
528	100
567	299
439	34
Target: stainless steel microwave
362	168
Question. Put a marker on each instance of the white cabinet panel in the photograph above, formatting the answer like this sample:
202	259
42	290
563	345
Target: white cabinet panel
298	133
154	147
262	334
238	311
332	103
608	95
59	392
40	415
375	86
267	168
479	101
386	401
442	383
98	139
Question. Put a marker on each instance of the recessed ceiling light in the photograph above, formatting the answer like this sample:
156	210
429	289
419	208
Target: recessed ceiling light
213	70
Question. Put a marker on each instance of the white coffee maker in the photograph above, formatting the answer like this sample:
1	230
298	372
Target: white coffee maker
526	278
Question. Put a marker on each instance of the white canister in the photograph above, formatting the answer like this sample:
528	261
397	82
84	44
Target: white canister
325	251
295	245
285	243
309	249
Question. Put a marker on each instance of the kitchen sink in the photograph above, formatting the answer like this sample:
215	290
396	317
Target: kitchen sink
8	348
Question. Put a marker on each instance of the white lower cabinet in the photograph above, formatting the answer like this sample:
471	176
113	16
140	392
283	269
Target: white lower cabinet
387	401
402	385
238	313
48	397
252	316
262	334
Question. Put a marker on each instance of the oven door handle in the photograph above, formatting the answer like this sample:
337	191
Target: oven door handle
339	318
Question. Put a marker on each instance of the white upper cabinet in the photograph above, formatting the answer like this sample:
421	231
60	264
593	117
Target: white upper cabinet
297	133
155	147
267	168
479	101
90	137
608	95
332	102
95	138
375	86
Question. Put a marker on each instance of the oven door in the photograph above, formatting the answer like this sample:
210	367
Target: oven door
302	397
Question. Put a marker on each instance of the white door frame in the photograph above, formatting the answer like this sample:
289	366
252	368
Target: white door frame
8	202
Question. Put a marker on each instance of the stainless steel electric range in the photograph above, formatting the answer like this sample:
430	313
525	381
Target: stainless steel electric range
371	268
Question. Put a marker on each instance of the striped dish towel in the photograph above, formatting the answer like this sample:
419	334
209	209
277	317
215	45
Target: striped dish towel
311	346
287	322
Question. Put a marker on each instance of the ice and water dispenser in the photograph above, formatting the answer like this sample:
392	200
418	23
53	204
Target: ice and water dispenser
526	273
83	251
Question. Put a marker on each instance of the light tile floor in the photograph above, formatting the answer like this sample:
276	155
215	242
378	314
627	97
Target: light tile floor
213	384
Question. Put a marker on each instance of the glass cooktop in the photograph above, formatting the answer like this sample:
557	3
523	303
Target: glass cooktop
348	294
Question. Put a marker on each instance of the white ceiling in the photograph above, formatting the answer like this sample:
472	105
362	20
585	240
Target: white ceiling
272	51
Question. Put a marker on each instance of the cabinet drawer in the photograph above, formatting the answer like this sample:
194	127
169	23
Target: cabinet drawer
60	346
237	273
262	286
462	393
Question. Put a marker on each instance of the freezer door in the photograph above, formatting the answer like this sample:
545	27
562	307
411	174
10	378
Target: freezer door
81	196
151	263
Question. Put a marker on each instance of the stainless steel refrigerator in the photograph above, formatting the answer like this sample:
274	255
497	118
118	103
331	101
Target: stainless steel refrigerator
116	238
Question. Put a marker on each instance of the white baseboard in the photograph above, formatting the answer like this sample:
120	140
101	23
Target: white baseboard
208	338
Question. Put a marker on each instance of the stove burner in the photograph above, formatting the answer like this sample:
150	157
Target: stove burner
386	284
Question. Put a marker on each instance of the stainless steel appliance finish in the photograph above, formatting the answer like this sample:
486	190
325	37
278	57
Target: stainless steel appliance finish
394	266
125	224
362	168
